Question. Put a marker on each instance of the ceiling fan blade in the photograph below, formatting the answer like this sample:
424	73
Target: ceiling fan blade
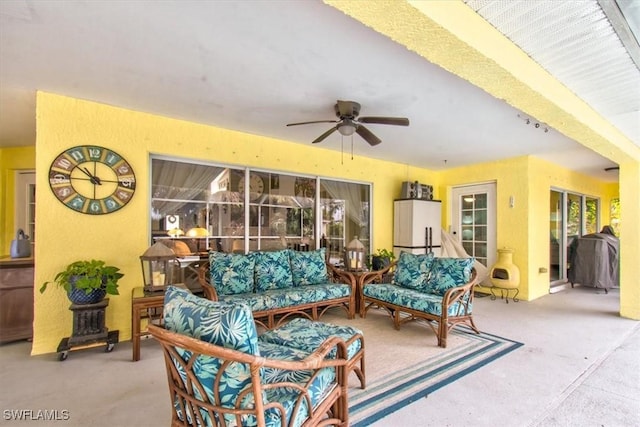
368	136
397	121
316	121
324	135
347	109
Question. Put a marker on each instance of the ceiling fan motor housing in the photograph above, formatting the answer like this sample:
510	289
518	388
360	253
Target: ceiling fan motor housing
354	107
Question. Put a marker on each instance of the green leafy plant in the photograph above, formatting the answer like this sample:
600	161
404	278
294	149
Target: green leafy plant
88	275
385	253
381	258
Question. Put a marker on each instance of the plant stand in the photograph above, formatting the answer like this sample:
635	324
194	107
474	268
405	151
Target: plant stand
88	328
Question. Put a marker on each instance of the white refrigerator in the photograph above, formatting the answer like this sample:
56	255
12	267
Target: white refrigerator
416	226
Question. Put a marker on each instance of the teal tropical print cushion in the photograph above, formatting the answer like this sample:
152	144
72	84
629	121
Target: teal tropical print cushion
231	274
309	268
272	270
448	273
316	382
413	270
415	300
227	325
308	335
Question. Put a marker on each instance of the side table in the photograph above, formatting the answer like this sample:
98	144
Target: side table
145	305
359	275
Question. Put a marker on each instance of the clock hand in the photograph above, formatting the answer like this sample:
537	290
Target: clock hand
86	172
94	179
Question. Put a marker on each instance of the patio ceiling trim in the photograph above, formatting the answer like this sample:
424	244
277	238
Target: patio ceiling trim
453	36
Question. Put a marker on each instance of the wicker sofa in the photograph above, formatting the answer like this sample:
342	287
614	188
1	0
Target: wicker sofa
279	284
221	374
438	290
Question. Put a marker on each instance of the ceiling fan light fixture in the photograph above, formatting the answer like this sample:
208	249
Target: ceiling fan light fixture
346	129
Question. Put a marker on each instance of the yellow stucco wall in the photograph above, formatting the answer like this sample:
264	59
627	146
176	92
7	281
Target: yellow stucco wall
121	237
12	159
525	227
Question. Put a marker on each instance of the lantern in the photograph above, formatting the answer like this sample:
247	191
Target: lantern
354	255
158	264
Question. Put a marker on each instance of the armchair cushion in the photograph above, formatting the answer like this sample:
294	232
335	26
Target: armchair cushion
412	299
317	383
448	273
231	274
413	271
225	325
272	270
309	268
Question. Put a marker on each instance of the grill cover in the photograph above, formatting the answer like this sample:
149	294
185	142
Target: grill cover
595	261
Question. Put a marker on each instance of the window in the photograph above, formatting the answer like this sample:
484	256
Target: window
614	213
196	207
345	215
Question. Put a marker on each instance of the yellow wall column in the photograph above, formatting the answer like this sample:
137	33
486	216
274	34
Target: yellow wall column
630	240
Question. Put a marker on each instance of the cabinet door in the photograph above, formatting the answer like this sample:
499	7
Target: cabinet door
412	218
402	223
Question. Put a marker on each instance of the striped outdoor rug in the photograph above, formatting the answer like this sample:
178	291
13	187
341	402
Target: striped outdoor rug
406	365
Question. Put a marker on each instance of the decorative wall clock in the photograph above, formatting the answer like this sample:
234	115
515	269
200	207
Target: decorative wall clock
92	180
256	187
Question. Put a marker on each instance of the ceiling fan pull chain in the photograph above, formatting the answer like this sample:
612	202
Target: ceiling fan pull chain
341	149
351	147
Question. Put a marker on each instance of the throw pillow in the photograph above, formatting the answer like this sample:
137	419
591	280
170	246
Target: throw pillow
448	273
412	270
231	274
309	268
272	270
227	325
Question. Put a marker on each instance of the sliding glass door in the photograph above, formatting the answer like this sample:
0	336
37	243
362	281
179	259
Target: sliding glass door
571	216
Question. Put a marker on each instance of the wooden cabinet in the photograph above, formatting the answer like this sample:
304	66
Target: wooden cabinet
16	299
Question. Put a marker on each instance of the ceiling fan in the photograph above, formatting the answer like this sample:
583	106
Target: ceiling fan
348	122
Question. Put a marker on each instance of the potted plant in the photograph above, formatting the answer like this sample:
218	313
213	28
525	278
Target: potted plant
87	282
381	259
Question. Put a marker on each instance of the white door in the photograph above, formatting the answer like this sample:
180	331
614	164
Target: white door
473	220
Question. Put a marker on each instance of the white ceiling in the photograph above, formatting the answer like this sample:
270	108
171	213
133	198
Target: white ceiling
255	66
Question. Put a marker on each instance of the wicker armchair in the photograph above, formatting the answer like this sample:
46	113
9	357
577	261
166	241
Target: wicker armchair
421	287
220	375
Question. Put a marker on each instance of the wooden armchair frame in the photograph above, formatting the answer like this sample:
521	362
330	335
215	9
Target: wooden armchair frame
333	409
440	324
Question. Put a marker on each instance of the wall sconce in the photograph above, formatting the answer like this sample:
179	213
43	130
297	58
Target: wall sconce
158	263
